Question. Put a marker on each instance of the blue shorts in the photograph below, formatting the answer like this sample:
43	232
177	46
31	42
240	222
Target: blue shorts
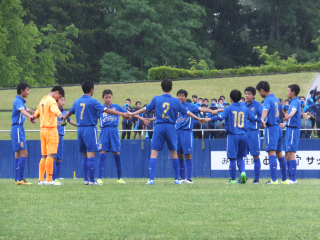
185	141
273	138
87	139
18	138
164	132
236	146
59	154
253	142
292	139
109	139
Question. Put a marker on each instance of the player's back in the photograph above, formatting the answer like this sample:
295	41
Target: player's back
87	111
236	116
167	108
48	111
272	105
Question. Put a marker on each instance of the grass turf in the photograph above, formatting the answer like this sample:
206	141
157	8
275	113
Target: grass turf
144	92
208	209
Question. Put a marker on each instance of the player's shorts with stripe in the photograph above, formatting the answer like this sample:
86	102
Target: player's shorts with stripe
292	139
87	139
49	140
185	141
253	142
59	154
109	139
273	138
18	138
164	132
236	146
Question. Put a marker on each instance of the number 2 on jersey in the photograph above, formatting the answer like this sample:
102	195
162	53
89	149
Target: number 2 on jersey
240	117
167	106
84	106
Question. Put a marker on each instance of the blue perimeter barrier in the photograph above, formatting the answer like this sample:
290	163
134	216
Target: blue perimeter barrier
135	161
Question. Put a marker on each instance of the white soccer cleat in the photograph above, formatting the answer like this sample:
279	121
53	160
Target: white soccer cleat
177	182
291	182
94	183
188	181
86	182
41	183
53	183
150	182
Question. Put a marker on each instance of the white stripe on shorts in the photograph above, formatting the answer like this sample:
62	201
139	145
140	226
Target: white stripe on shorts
95	134
18	136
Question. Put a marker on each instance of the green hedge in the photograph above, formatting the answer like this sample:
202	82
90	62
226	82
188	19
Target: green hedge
159	73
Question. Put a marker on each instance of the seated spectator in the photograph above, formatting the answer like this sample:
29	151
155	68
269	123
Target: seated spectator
194	99
127	124
137	122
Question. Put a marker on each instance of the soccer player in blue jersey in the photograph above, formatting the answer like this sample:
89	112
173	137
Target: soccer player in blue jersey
167	108
109	135
273	132
253	131
88	110
293	130
236	119
18	138
184	126
61	131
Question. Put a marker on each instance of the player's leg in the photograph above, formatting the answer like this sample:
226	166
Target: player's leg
104	147
102	158
271	142
254	149
291	149
152	164
16	166
241	153
115	147
281	159
52	140
91	142
42	163
58	160
83	149
170	136
232	155
187	148
181	156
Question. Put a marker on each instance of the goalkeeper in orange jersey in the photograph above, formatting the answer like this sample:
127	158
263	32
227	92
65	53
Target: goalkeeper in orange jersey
48	111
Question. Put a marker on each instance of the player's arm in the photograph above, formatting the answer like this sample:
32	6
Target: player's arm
253	118
145	121
141	110
31	111
67	116
26	114
201	120
125	115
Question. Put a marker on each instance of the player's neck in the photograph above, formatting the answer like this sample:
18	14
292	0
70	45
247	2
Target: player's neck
108	105
249	102
166	92
88	94
268	93
20	95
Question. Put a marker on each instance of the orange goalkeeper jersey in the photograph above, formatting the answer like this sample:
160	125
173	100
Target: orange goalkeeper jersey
48	111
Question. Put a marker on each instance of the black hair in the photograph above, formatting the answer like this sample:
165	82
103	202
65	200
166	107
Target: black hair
194	96
214	99
58	88
188	101
200	98
251	89
166	85
206	99
262	102
243	98
235	95
184	92
317	93
87	86
294	88
138	102
128	99
263	85
311	92
280	99
222	97
22	86
288	100
106	92
145	105
203	105
227	104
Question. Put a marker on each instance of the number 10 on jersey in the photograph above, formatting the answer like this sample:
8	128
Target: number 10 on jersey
238	119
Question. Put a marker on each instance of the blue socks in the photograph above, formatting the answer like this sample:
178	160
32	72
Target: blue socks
91	168
283	168
182	169
288	169
152	167
293	169
101	160
175	163
54	172
85	168
273	167
189	165
233	168
118	165
241	165
16	169
257	167
22	163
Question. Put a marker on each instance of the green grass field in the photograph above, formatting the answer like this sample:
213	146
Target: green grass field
208	209
144	92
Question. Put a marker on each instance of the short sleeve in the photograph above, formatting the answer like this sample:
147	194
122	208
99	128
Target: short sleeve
294	105
182	108
120	109
193	108
266	105
97	106
151	106
72	110
19	105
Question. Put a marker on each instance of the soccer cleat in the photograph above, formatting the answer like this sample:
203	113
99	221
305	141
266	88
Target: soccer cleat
272	182
150	182
188	181
120	181
291	182
255	182
15	182
243	178
284	182
86	182
52	183
41	183
100	181
57	181
239	180
183	180
23	182
177	182
94	183
232	181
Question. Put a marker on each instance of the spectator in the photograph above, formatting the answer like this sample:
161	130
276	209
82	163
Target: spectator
137	121
221	103
281	101
220	123
310	104
127	124
211	124
205	125
214	101
200	100
206	102
188	101
224	99
150	126
317	115
194	99
242	100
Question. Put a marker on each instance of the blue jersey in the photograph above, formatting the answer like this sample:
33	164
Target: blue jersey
61	129
236	117
272	105
108	119
294	121
184	121
167	108
17	116
256	109
87	110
